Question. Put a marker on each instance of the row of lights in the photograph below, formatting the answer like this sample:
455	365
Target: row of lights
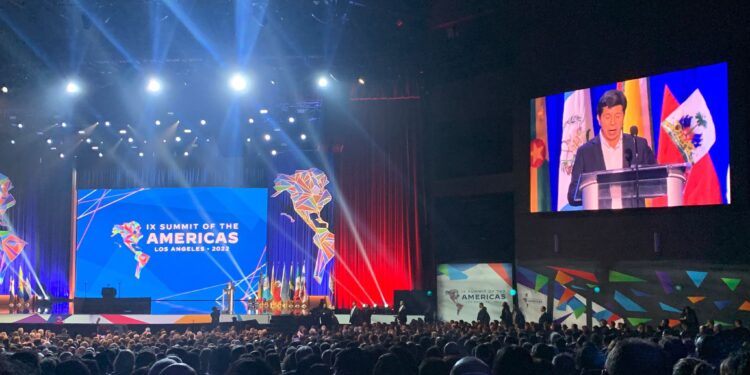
238	82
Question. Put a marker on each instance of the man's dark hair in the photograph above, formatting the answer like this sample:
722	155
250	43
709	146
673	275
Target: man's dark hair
636	356
512	360
738	363
610	99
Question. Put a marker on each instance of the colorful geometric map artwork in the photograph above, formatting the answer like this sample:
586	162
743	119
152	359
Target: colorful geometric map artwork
307	190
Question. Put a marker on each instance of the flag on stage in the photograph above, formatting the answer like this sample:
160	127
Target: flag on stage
275	287
28	290
259	296
21	286
691	129
303	286
12	289
638	112
290	288
577	127
540	191
266	288
297	287
284	285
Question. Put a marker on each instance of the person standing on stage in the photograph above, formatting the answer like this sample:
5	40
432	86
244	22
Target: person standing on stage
483	317
215	314
401	313
519	320
367	312
506	317
355	316
546	317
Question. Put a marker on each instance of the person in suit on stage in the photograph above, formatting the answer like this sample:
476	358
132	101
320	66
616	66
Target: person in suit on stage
401	312
355	316
483	317
611	149
367	312
545	318
215	315
506	317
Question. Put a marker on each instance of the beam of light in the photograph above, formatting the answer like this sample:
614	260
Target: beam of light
193	28
248	20
107	35
27	41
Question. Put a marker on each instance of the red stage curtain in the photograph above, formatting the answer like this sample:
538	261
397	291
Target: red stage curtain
377	216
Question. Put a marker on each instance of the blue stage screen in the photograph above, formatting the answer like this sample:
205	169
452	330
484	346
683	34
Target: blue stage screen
173	244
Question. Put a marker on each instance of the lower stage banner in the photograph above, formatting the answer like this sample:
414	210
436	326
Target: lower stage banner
462	287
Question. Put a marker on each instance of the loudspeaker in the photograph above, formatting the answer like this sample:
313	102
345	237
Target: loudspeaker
109	292
418	302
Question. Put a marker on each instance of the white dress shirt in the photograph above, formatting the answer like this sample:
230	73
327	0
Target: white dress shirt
613	160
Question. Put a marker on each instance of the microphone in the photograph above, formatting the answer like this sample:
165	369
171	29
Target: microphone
634	133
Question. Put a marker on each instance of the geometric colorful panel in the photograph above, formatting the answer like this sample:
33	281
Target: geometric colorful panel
540	282
619	277
638	293
637	321
504	270
582	274
731	282
697	277
665	281
668	308
627	303
721	305
696	299
563	278
745	306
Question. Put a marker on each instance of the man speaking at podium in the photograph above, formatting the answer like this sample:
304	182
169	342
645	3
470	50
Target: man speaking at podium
611	149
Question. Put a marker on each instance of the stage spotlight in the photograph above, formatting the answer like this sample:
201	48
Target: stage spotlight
106	123
49	141
20	125
163	141
140	154
291	120
178	139
267	137
72	87
123	131
250	121
94	148
361	81
247	140
4	89
303	136
273	152
88	140
323	82
81	132
186	153
62	156
513	292
263	111
101	155
187	131
154	85
203	122
157	122
238	82
130	140
64	124
13	141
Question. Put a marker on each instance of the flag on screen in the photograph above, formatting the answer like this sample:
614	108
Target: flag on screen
540	192
577	125
638	112
667	152
690	128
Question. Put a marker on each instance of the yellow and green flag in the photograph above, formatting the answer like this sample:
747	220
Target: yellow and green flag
539	171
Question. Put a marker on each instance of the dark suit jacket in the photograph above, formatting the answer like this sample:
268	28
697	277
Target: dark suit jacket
589	158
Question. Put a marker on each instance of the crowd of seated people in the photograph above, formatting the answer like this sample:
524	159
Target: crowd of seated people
385	349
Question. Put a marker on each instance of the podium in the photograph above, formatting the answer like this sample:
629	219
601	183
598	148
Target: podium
605	189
